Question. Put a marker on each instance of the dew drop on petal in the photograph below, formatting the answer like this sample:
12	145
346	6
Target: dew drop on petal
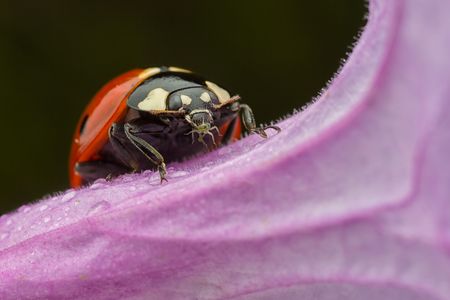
153	177
176	174
126	179
24	209
68	196
101	182
99	207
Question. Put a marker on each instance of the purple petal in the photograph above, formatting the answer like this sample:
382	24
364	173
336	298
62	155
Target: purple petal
349	201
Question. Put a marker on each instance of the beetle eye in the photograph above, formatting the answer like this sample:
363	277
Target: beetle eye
175	103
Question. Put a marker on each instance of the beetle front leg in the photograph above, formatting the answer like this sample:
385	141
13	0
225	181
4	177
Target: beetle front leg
115	134
248	119
141	144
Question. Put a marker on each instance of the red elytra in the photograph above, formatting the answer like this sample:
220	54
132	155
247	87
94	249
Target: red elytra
109	106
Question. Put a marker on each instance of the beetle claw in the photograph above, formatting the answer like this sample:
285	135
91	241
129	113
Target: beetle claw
261	131
162	172
109	177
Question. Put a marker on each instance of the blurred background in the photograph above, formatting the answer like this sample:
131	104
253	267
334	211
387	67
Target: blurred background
54	55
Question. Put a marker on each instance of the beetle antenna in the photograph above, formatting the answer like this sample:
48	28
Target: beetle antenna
233	99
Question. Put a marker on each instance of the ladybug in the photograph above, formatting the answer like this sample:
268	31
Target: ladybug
146	118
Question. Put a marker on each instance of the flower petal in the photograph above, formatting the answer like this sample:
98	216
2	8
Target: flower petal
349	201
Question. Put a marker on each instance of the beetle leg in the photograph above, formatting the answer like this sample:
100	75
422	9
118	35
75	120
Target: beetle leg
250	124
141	144
124	155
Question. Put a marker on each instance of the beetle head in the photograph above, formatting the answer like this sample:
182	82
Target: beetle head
201	121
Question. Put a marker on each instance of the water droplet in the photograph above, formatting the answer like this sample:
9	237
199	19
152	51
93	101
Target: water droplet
132	188
19	228
9	222
99	206
154	178
3	236
127	179
148	173
68	196
47	219
176	174
43	207
98	183
101	180
24	209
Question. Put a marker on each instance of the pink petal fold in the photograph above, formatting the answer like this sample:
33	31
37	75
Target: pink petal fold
350	201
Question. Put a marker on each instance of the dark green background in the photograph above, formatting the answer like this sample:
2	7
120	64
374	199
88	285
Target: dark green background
54	55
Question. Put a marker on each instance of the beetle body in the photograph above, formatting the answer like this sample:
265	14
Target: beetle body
148	117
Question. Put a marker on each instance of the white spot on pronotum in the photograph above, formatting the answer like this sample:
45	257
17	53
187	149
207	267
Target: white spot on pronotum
221	93
186	99
205	97
149	72
176	69
155	100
